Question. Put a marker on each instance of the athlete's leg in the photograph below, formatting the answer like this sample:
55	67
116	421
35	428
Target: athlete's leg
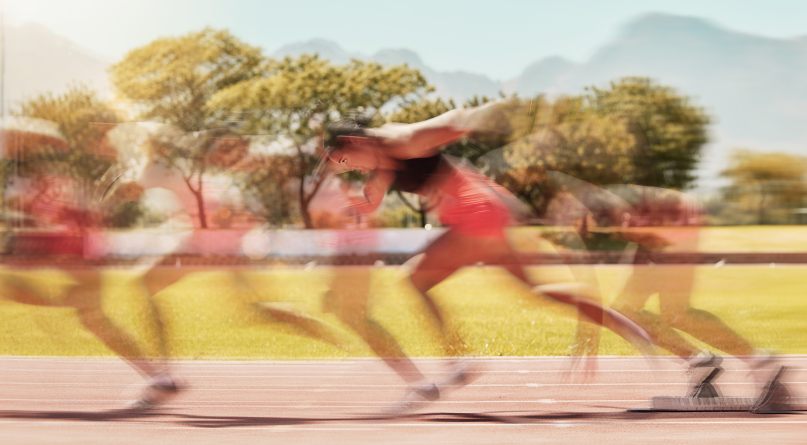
79	289
641	285
86	297
155	280
348	300
676	312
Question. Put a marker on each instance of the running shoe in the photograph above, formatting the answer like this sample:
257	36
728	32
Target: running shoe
415	398
703	370
160	389
775	398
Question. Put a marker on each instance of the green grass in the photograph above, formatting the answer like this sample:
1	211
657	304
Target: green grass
209	315
754	239
737	239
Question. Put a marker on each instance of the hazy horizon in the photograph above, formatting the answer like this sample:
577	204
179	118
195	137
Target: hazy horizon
473	36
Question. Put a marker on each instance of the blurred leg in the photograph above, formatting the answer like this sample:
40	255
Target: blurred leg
641	285
86	297
676	312
348	300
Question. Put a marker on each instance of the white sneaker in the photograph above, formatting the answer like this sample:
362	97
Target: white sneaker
703	370
458	377
414	399
160	389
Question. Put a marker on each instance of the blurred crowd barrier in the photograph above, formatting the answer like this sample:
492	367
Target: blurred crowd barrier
536	245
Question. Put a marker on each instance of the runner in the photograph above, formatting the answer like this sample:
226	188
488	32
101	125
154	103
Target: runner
653	220
474	208
671	221
56	230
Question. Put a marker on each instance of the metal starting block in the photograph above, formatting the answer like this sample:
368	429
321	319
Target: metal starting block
707	404
706	398
702	403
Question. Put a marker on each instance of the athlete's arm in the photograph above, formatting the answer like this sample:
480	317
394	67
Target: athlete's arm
424	138
374	191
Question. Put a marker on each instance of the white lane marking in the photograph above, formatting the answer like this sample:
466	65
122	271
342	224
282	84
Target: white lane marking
246	404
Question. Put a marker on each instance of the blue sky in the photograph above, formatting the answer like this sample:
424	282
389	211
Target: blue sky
497	39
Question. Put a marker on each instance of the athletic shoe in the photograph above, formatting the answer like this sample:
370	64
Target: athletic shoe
458	377
414	399
775	398
160	389
703	370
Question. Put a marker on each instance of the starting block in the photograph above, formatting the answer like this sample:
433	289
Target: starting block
706	398
713	404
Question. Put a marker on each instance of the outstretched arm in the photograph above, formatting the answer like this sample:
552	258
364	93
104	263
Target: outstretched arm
425	137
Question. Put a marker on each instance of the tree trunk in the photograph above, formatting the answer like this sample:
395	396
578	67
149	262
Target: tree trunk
201	205
309	224
200	202
761	211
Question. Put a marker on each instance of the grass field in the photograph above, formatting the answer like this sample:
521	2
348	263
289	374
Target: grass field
735	239
210	315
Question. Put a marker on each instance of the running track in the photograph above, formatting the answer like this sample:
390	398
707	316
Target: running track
513	400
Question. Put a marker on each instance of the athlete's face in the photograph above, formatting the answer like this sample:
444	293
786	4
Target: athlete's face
356	153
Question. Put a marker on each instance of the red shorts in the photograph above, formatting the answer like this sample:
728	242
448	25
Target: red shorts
471	206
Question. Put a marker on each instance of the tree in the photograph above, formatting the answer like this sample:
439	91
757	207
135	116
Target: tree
83	119
196	153
668	130
766	181
297	98
264	180
172	79
563	136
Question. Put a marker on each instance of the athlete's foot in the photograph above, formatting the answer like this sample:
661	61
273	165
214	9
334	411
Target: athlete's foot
415	397
160	389
703	369
774	398
460	374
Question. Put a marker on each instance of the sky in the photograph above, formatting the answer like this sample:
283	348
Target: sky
495	38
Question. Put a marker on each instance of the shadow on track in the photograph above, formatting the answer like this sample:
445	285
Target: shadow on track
200	421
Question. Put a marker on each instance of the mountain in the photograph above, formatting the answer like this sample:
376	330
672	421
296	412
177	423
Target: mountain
37	60
753	86
325	48
549	74
457	85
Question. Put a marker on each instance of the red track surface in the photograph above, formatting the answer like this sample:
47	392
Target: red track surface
513	400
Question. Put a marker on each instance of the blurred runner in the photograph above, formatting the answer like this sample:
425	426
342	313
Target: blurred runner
474	208
655	220
54	220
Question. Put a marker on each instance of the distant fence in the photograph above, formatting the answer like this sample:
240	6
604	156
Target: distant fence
335	247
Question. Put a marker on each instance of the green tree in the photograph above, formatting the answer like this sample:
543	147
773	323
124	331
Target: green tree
265	180
197	153
567	137
83	119
669	131
170	80
766	181
298	97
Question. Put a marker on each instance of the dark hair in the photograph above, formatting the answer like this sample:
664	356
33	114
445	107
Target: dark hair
342	127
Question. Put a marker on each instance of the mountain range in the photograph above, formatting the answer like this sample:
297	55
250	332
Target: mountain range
754	87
